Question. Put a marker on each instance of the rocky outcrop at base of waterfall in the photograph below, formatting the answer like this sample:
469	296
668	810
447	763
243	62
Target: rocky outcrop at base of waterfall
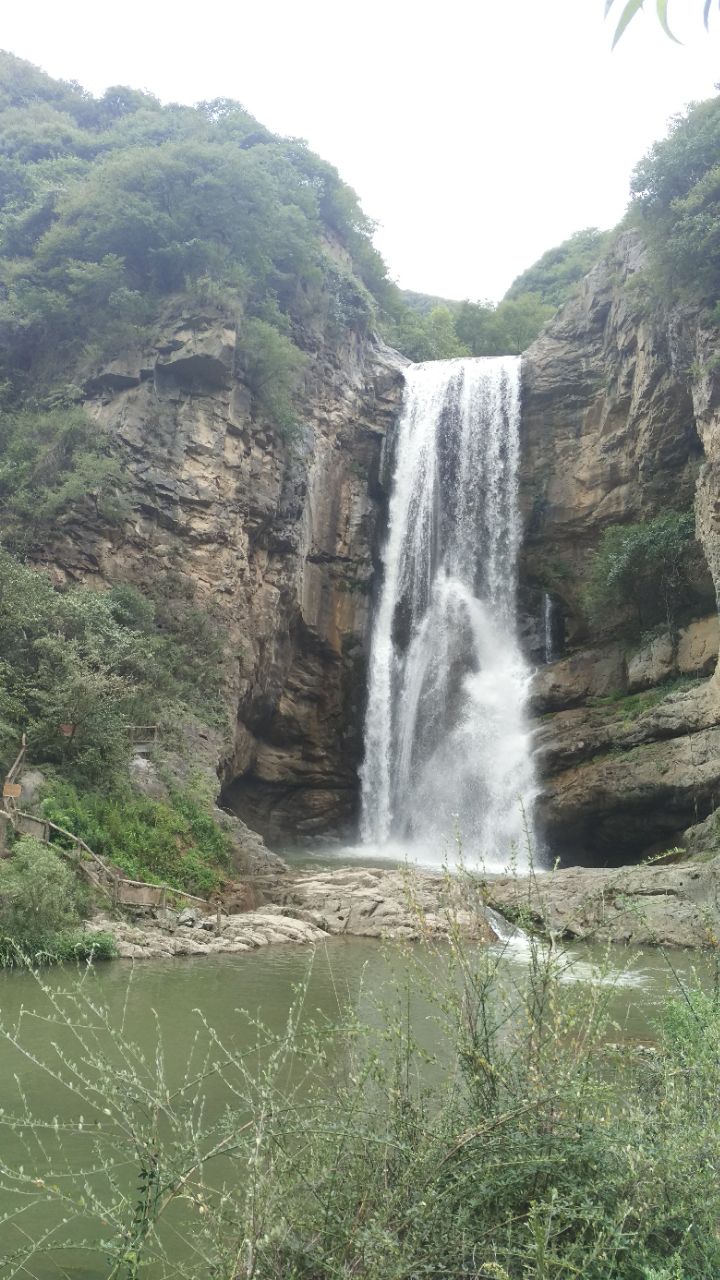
629	774
311	907
371	902
620	424
274	537
196	935
672	906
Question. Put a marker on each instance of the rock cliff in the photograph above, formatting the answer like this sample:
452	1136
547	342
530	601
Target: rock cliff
620	423
276	537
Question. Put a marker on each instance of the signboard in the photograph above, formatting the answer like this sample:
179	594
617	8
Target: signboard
12	790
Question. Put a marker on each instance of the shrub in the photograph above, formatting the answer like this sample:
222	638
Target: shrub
84	947
49	460
641	570
97	660
40	902
174	842
515	1143
272	365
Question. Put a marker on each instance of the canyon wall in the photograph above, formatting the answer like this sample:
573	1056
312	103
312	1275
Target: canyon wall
274	537
278	538
620	424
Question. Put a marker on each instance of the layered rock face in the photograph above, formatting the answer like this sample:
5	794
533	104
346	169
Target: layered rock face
275	537
620	423
279	539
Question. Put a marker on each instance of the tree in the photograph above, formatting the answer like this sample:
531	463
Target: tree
272	365
643	570
555	275
109	205
38	894
676	200
633	7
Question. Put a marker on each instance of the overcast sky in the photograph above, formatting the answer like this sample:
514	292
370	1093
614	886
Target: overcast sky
478	133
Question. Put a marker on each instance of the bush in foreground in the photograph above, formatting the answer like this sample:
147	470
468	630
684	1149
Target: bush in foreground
41	909
522	1146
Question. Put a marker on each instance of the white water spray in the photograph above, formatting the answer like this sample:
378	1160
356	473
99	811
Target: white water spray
548	646
447	746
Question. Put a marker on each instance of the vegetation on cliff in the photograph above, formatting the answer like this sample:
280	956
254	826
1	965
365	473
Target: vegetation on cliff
173	841
109	205
78	669
41	909
435	329
676	203
95	662
642	571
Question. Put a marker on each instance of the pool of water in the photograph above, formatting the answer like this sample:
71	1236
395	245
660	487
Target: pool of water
437	856
169	1008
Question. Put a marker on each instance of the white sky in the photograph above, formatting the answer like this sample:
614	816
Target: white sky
478	133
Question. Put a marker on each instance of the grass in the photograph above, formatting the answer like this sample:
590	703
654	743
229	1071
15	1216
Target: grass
174	842
71	945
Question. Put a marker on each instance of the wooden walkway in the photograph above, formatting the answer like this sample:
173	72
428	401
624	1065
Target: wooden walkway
101	874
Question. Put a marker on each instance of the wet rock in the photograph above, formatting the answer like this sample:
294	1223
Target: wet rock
674	906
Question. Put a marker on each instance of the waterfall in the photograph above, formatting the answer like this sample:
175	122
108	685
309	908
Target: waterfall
548	622
447	748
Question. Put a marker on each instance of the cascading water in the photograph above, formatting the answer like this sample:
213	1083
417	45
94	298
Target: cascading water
548	626
447	748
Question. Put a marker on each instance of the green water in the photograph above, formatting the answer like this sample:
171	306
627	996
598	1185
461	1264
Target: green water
157	1002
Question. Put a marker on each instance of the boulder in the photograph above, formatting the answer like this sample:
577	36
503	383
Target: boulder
592	673
652	664
698	647
674	906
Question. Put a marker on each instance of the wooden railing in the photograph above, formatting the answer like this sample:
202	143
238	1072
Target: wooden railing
11	787
144	735
103	875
